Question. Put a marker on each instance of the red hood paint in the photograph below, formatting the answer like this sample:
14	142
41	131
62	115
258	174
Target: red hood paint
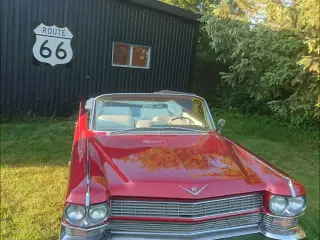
153	166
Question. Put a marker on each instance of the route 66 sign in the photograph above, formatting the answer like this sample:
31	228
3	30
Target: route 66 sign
52	45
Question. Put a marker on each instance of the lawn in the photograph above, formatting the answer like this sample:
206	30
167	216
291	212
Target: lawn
34	170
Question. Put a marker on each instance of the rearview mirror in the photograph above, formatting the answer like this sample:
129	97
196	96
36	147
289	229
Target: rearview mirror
221	123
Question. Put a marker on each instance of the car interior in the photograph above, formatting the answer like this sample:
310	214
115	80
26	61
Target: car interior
121	115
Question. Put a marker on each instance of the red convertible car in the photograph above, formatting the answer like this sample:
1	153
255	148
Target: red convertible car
155	166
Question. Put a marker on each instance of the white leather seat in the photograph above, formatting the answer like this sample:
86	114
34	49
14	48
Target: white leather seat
109	122
143	124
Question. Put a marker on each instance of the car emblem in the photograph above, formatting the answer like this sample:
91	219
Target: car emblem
194	190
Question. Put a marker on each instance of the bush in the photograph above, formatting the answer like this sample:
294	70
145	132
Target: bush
263	70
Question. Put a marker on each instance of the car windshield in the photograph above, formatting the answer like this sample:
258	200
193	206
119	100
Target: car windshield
150	112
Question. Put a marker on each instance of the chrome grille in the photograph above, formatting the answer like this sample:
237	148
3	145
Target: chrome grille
278	224
186	209
87	234
184	228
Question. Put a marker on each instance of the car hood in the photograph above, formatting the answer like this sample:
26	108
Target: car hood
177	166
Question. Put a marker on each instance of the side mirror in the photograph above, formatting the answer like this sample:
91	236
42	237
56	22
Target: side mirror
221	123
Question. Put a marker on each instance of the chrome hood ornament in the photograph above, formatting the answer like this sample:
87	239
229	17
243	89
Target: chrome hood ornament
194	190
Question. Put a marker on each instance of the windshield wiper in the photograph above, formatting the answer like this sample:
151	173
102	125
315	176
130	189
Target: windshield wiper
152	128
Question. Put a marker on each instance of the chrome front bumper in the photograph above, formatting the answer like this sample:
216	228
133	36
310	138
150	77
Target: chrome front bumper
254	232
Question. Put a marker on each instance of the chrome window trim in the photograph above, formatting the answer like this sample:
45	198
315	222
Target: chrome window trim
210	120
158	133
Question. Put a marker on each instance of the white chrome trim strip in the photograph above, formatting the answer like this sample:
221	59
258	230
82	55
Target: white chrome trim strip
209	111
219	234
84	229
289	217
88	176
291	186
296	234
189	234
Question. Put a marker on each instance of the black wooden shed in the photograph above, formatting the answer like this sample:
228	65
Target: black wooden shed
56	52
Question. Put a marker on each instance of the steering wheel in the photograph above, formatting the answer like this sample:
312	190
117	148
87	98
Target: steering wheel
181	117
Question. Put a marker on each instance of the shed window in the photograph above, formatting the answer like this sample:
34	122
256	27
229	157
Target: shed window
126	55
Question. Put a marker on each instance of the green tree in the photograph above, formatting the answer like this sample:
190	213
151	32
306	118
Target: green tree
309	23
263	60
192	5
271	48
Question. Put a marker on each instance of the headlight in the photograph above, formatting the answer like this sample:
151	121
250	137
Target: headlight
98	212
297	204
278	204
287	206
86	216
75	213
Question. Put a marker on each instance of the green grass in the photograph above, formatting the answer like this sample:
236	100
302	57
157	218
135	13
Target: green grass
294	151
34	170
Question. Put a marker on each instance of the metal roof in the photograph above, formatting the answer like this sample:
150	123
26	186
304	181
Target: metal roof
163	7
